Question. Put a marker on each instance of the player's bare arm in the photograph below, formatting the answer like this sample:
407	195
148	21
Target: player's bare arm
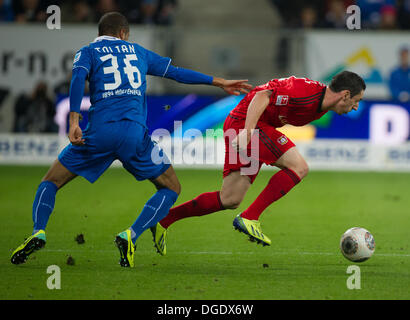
234	87
187	76
257	106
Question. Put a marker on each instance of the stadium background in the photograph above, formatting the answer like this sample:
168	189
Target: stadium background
256	40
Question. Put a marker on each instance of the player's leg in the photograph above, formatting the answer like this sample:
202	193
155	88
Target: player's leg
274	148
203	204
157	207
168	180
56	177
145	160
88	161
293	169
233	190
234	187
293	160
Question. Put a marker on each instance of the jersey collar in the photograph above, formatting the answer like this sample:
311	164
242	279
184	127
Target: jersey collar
100	38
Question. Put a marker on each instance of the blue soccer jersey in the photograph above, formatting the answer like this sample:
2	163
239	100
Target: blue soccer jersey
117	72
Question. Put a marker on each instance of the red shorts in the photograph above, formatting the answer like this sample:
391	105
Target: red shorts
266	147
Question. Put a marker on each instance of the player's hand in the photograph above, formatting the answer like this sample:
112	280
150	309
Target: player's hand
241	141
75	135
234	87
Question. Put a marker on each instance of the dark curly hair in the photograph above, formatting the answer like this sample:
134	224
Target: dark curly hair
347	80
112	23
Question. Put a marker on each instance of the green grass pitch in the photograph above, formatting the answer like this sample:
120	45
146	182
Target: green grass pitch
206	258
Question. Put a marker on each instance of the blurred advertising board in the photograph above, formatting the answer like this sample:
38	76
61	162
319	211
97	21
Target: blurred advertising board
371	54
379	122
376	137
33	53
208	152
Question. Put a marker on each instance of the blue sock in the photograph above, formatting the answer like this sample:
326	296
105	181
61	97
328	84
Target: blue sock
156	208
43	204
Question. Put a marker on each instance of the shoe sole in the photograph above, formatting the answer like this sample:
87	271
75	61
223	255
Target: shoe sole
238	227
22	255
122	246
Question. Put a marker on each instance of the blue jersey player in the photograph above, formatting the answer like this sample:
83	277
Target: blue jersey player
116	70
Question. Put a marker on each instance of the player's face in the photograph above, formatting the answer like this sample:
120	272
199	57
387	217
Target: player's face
349	103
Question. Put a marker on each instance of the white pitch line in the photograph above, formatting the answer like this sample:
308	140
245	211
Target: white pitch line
231	253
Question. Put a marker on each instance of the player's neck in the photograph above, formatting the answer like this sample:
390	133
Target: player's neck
329	100
110	36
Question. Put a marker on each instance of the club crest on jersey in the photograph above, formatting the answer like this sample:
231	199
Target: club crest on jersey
283	140
282	100
283	119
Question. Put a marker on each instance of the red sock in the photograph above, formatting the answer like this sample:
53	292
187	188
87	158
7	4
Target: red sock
279	185
203	204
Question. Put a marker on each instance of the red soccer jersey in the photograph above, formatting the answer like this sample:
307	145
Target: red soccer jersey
295	101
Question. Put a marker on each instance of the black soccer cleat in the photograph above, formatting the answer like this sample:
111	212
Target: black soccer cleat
30	245
126	248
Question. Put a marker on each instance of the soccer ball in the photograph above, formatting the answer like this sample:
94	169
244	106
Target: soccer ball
357	244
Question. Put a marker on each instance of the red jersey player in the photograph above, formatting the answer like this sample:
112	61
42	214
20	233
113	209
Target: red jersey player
253	122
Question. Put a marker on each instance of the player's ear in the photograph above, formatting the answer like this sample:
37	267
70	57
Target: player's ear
346	94
124	34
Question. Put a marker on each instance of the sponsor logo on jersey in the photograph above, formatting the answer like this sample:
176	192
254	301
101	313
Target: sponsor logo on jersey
77	57
282	100
283	140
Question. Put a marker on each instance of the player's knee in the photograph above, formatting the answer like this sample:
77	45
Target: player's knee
58	174
302	169
230	202
305	170
231	205
168	180
54	181
58	182
174	185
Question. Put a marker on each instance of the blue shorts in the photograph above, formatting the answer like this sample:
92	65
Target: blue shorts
126	141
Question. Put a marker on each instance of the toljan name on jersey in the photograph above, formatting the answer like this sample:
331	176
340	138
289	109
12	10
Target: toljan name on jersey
120	92
116	49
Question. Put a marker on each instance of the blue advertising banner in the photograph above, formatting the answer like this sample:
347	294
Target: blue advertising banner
379	122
